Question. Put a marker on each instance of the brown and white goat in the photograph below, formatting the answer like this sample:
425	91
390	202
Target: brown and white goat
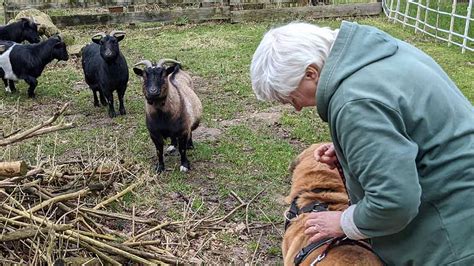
172	108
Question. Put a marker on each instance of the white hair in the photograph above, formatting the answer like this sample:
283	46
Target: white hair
280	61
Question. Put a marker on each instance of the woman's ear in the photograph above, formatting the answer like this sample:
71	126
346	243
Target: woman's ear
312	73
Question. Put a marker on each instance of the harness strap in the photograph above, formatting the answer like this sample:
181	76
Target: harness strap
294	211
308	249
340	241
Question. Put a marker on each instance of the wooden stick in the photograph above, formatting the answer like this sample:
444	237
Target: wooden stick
119	216
50	129
247	210
106	237
92	249
109	248
118	195
10	169
30	232
26	134
143	243
144	254
149	231
58	199
256	248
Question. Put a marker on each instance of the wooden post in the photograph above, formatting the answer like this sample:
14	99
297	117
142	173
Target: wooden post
10	169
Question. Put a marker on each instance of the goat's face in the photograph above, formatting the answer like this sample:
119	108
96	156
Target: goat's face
109	46
60	51
29	30
155	85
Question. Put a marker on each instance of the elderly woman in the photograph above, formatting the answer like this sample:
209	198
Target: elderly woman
401	129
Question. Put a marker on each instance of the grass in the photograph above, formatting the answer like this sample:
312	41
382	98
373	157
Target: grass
249	154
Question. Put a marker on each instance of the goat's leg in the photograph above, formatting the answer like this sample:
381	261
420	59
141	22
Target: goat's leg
183	141
159	142
33	83
190	144
103	101
96	100
7	88
11	84
172	147
121	93
110	100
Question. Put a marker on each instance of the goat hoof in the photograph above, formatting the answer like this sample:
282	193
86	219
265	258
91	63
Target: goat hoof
96	104
160	169
32	95
112	114
122	112
183	168
171	150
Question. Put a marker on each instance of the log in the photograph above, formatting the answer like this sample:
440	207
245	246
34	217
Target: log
10	169
32	231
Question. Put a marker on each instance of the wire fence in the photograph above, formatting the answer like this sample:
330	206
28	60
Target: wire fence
449	21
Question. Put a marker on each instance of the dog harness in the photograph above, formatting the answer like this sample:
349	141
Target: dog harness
318	206
294	211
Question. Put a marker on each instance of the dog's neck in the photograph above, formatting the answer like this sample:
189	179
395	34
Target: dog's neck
324	186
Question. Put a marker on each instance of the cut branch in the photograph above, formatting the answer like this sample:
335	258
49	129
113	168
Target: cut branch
38	129
10	169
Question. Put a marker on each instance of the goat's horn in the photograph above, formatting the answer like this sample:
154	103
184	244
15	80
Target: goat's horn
115	32
101	34
145	62
164	61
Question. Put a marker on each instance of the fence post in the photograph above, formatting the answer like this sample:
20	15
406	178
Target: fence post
5	13
418	11
390	16
437	19
405	18
466	29
451	25
397	11
426	14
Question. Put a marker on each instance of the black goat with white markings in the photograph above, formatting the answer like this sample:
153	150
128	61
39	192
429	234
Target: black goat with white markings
23	30
27	61
106	70
173	110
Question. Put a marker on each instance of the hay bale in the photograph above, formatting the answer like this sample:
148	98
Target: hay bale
46	26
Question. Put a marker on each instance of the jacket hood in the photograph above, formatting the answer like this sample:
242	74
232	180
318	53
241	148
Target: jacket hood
355	47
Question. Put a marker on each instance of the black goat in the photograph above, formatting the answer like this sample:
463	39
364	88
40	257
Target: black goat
106	70
173	110
27	61
23	30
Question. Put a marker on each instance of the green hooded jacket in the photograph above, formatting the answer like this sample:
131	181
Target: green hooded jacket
404	135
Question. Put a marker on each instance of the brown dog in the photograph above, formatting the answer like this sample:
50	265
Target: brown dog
312	182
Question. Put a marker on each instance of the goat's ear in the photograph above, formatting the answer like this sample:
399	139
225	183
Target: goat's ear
25	22
138	71
96	39
59	45
119	37
172	69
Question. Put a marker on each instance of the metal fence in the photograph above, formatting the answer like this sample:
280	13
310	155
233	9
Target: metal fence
449	21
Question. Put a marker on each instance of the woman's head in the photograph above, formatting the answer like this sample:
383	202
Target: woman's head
283	56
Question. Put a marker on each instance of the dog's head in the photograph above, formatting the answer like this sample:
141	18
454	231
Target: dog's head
309	174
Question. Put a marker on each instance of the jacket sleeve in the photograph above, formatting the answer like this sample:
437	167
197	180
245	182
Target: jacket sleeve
380	154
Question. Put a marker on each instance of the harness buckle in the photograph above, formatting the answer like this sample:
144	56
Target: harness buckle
320	257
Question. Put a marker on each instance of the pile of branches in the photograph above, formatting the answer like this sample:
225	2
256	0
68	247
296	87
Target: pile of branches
55	216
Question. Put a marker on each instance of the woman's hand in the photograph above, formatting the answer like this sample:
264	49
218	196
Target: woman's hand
326	154
323	224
